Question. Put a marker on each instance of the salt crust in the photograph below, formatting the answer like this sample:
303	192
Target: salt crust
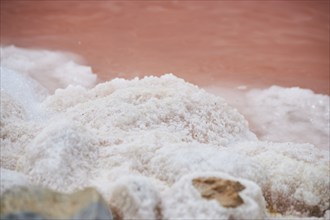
154	131
170	163
60	157
298	175
182	199
51	69
138	198
13	83
299	111
16	131
10	178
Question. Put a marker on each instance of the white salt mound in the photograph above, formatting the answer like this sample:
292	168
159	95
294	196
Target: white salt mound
143	142
165	104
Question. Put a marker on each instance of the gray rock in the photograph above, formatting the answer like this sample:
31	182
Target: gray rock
41	204
226	192
22	216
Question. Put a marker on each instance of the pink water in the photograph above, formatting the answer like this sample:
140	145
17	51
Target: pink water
253	43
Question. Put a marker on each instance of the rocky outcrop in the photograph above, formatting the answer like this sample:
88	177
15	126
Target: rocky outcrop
224	191
213	195
39	203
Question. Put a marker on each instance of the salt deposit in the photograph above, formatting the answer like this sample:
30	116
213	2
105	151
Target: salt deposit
184	200
51	69
290	114
142	142
61	156
298	175
10	178
136	197
282	114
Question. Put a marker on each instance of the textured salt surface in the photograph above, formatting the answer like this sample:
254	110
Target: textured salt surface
52	70
141	142
297	115
10	178
282	114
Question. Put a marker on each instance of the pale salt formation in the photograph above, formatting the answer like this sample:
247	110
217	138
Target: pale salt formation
51	69
165	104
183	199
140	141
298	175
134	119
20	114
136	197
61	156
24	91
289	115
327	215
10	178
16	131
282	114
172	162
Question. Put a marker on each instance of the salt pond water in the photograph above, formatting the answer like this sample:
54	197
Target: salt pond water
142	142
258	44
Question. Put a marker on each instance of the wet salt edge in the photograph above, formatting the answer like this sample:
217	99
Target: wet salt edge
157	132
